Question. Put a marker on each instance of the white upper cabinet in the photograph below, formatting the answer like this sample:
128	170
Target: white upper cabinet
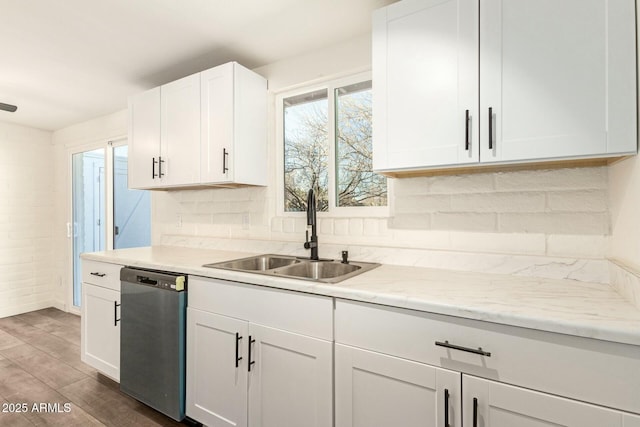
541	79
559	78
425	77
234	126
144	138
180	132
205	129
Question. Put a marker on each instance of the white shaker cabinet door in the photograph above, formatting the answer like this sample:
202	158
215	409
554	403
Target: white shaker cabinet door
290	383
144	139
233	126
425	77
559	79
501	405
216	376
180	132
101	329
377	390
217	121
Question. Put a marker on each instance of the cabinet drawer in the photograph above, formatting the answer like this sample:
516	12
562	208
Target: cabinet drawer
595	371
296	312
101	274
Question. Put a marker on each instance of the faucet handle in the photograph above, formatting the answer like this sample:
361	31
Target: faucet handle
345	257
306	240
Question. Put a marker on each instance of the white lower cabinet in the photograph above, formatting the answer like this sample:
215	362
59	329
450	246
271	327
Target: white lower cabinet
290	383
501	405
397	367
100	324
216	380
377	390
258	357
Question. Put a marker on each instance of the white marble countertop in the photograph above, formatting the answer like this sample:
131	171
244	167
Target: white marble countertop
591	310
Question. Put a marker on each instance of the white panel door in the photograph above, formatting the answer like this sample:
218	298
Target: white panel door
425	77
290	383
101	329
217	118
216	376
559	78
501	405
144	139
180	132
376	390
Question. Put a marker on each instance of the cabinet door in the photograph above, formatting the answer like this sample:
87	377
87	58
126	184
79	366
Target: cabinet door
425	76
144	139
559	78
376	390
501	405
217	109
290	383
180	132
101	329
216	369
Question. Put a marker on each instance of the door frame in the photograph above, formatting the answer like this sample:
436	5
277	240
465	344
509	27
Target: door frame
107	146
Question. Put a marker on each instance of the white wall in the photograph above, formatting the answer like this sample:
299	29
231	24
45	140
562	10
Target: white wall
26	219
625	211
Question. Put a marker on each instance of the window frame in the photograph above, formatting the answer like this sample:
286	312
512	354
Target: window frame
330	85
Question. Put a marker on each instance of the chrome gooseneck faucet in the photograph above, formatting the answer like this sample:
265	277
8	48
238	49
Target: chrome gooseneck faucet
311	221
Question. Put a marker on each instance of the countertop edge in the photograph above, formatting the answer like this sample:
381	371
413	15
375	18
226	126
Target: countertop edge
566	327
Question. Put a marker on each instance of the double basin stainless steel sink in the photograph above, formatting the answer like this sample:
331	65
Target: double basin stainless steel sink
326	271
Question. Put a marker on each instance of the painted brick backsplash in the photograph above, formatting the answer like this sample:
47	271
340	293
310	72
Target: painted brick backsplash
558	212
557	201
26	219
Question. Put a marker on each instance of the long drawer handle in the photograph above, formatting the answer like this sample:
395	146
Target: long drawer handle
251	362
478	350
94	273
115	313
446	407
238	357
153	168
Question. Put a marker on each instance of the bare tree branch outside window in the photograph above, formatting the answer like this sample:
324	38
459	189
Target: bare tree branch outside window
306	149
357	184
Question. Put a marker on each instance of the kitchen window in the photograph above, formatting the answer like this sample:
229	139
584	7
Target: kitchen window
326	135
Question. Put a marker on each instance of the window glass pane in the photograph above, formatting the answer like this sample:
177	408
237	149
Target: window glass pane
356	184
88	189
306	150
131	208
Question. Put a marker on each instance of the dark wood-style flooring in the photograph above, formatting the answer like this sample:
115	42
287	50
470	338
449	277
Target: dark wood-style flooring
40	363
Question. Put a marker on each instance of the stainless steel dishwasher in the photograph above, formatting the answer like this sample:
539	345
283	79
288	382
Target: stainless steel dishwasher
152	339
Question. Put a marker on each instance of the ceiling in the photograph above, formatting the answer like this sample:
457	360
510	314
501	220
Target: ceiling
67	61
